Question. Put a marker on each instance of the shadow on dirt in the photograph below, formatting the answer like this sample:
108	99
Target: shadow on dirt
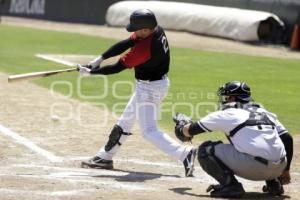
134	176
263	196
184	191
248	195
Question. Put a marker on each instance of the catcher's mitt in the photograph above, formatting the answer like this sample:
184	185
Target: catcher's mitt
181	120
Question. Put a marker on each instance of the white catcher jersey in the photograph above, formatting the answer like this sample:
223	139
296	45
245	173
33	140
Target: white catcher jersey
263	141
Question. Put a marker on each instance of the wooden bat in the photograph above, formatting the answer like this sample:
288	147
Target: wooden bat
32	75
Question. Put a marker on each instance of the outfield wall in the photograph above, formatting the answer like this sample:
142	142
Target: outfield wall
232	23
93	11
79	11
287	10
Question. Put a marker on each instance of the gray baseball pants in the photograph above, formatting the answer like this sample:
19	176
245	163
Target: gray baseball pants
246	166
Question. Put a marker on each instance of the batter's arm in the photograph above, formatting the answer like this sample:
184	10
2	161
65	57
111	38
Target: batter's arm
118	48
114	50
109	69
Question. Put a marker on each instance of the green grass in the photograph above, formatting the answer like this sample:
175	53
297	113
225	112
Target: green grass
195	75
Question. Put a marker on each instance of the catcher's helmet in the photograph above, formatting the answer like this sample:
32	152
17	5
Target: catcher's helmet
139	19
240	90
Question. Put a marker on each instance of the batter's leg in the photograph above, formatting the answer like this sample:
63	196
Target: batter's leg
149	97
147	119
118	136
125	124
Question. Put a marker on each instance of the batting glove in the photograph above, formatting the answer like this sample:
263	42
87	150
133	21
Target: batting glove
83	70
96	62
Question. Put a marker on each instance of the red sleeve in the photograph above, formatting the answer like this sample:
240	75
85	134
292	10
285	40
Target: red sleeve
138	54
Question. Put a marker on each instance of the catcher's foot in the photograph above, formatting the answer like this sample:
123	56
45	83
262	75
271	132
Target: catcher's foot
273	187
98	163
189	163
234	190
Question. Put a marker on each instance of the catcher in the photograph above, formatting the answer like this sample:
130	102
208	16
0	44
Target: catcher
260	147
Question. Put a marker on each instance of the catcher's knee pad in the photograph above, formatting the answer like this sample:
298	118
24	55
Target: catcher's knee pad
116	137
212	164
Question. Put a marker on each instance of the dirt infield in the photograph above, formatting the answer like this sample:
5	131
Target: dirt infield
43	140
42	145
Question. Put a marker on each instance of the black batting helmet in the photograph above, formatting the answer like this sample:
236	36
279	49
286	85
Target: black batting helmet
139	19
240	90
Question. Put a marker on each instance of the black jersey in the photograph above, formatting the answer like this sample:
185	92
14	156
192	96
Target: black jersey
150	57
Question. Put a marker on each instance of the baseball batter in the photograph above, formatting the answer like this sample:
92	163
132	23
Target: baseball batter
260	147
149	56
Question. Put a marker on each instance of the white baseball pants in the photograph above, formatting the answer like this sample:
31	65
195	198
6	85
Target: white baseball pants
144	108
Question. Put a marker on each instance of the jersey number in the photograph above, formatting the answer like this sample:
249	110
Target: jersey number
165	43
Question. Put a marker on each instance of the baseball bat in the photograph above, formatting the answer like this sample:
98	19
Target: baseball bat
32	75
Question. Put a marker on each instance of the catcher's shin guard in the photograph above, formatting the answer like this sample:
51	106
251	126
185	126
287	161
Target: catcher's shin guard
273	187
229	187
234	190
213	165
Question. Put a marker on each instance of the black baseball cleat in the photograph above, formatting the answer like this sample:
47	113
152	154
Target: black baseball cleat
189	163
97	163
234	190
273	187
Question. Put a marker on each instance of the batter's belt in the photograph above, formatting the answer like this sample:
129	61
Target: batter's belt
154	79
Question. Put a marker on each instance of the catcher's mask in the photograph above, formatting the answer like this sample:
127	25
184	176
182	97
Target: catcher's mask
239	90
142	18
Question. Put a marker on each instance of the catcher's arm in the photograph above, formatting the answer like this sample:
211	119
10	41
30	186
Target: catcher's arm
185	128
